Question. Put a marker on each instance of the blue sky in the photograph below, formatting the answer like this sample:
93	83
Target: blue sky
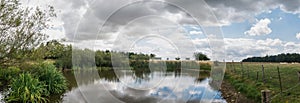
283	30
284	26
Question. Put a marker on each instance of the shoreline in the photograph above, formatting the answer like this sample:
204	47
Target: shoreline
231	95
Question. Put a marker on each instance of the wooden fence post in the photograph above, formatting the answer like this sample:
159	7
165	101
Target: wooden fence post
233	66
257	76
265	96
299	75
263	73
242	69
248	70
279	79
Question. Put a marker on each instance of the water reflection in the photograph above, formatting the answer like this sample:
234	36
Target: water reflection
144	87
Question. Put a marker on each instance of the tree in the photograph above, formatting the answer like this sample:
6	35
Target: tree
289	57
200	56
21	28
54	50
64	60
152	55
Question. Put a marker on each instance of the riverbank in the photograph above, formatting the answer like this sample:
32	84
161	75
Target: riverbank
231	95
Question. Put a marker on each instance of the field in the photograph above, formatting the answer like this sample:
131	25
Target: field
251	78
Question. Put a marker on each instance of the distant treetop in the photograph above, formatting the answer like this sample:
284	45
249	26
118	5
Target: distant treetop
200	56
289	57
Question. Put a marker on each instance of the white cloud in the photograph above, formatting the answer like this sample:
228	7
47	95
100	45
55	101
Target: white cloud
260	28
269	42
240	48
196	32
298	35
290	47
226	11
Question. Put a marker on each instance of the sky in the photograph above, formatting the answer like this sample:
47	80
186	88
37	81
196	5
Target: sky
222	29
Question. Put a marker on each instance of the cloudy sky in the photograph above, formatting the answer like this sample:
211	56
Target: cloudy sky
171	28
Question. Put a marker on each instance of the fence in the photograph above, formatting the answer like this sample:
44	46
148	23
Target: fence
281	79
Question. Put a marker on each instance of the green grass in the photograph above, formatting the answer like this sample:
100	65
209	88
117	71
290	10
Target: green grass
244	79
6	75
54	79
34	84
168	65
26	88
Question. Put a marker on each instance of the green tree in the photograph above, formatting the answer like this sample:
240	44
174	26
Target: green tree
21	29
54	50
64	60
152	55
200	56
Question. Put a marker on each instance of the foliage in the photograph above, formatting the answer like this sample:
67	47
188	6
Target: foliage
21	29
173	65
8	74
26	88
200	56
139	64
170	65
152	55
289	57
54	50
62	55
103	58
44	79
54	79
65	60
205	66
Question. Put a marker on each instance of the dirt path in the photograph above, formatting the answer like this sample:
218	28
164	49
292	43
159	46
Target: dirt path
233	96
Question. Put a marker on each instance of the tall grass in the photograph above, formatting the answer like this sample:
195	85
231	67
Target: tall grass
171	65
249	80
26	88
54	79
6	75
34	86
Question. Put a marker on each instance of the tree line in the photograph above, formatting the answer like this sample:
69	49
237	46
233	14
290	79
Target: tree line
62	55
288	57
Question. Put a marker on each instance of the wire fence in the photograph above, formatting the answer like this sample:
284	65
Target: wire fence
282	80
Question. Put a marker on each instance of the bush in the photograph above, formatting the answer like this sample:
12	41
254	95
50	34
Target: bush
26	88
205	66
54	79
6	75
63	63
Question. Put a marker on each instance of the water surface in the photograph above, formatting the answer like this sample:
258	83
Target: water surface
128	86
191	86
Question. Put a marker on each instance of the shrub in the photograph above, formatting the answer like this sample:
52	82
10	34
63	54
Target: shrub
28	66
54	79
205	66
63	63
7	75
26	88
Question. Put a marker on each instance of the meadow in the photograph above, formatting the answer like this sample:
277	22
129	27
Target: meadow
250	78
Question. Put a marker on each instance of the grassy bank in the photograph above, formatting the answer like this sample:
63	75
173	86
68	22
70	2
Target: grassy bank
171	65
33	83
251	78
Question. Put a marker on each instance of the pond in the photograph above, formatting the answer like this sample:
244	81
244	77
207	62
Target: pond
128	86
